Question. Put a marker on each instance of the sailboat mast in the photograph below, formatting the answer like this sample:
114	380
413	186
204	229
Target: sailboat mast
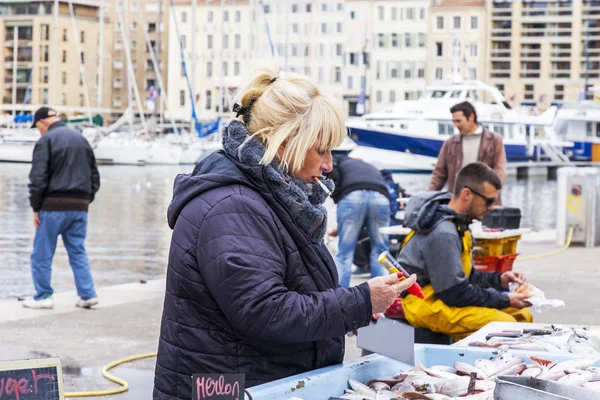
100	58
125	34
193	63
157	107
86	95
54	95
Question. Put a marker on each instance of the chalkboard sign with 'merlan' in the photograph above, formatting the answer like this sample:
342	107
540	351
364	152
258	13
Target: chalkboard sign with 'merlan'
31	380
218	386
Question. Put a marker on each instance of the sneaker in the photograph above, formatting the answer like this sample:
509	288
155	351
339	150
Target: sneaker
42	304
89	303
356	270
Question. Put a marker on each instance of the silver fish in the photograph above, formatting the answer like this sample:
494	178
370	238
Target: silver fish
578	379
362	389
467	369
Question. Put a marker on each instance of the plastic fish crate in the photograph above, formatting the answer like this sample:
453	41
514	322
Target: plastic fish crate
496	247
495	263
333	380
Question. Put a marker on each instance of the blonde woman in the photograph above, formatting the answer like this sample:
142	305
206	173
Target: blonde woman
251	287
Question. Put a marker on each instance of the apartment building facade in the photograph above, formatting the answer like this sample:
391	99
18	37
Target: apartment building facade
41	59
544	50
399	56
133	24
457	40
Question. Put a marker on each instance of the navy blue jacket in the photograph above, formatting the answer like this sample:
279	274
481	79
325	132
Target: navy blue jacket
350	174
247	292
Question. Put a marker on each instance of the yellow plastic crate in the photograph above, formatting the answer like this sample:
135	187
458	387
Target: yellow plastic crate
496	247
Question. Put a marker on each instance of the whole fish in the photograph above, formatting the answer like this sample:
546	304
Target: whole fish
578	379
362	389
532	371
467	369
582	363
503	366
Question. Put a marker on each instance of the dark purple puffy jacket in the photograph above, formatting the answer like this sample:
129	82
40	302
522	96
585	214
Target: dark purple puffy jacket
247	292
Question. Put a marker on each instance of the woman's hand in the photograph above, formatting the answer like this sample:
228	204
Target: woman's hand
386	289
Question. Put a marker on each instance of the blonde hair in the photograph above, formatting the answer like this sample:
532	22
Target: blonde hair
293	112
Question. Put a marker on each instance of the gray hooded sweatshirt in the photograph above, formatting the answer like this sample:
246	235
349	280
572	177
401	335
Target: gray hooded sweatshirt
434	254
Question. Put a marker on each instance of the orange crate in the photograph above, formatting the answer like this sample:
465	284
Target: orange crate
495	263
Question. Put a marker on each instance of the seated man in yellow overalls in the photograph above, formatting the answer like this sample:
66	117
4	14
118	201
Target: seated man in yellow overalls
459	300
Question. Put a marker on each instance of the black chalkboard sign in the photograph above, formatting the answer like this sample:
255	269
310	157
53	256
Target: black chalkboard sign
31	379
218	386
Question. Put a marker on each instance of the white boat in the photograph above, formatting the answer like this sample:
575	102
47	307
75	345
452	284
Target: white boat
580	123
414	131
16	145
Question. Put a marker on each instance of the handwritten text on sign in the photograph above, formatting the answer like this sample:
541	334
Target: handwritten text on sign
28	384
218	386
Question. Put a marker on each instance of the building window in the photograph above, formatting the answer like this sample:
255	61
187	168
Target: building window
151	26
378	96
394	71
80	100
394	13
209	69
321	50
208	103
456	22
473	50
381	12
340	7
353	59
324	7
306	51
439	21
337	75
134	26
392	96
209	41
238	41
321	74
294	28
182	98
339	27
183	42
63	99
82	58
352	15
338	50
308	8
210	16
294	50
394	40
421	40
421	73
64	56
350	82
182	70
407	73
323	28
225	41
225	68
64	78
439	49
134	44
238	16
528	92
408	40
422	13
472	74
439	73
381	40
294	8
410	14
559	92
267	8
226	16
474	22
183	17
82	37
64	35
236	68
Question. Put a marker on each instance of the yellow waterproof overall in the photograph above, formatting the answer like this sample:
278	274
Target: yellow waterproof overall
458	322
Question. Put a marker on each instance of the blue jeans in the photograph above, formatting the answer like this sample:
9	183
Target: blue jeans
72	225
355	210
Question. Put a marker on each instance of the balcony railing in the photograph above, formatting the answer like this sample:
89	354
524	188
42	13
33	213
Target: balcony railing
531	54
530	74
560	74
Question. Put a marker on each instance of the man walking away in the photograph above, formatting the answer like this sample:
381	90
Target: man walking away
362	199
474	143
63	181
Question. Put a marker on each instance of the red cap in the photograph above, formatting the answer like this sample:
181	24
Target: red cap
415	289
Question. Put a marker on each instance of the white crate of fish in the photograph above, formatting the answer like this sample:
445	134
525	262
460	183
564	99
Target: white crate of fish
525	338
441	372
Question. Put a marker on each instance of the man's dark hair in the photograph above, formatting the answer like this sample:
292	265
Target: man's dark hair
474	175
467	109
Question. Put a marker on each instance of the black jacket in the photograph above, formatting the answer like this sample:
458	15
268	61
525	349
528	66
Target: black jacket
350	174
63	165
247	291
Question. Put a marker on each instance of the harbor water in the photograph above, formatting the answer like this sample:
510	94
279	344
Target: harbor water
128	237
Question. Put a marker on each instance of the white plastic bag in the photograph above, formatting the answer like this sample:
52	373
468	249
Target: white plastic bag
537	298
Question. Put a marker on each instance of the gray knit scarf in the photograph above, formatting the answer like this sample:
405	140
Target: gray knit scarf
303	201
